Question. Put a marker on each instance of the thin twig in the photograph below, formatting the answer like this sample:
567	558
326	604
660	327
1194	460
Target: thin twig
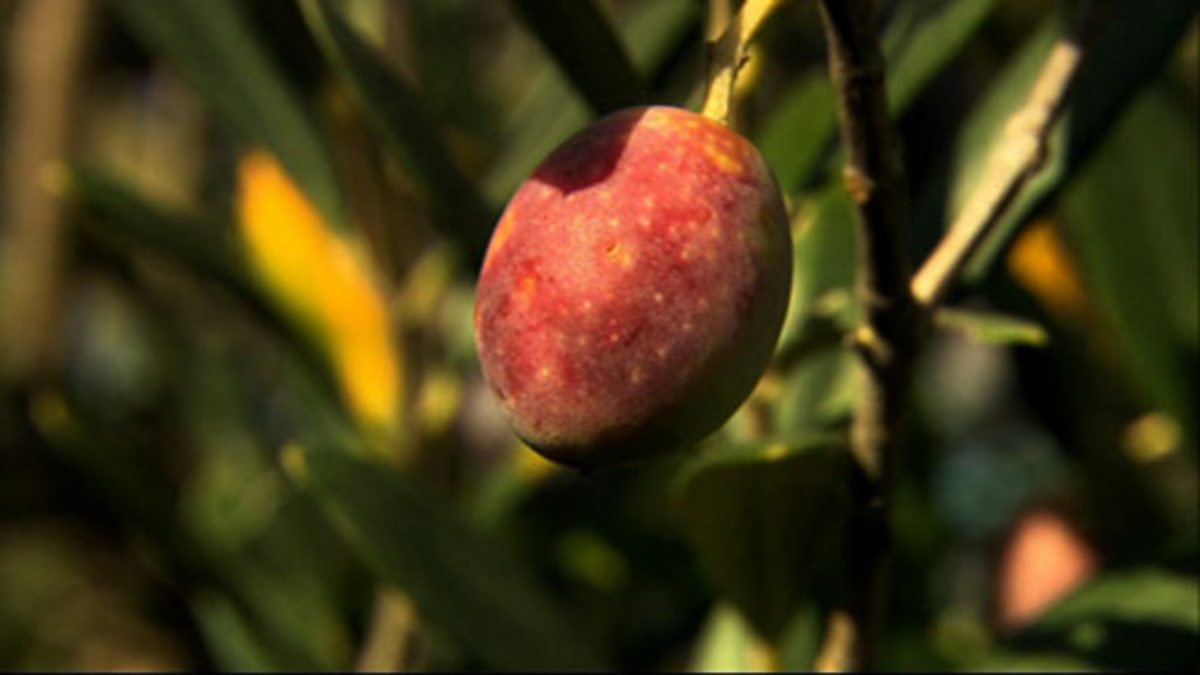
716	19
1018	155
393	620
887	341
727	55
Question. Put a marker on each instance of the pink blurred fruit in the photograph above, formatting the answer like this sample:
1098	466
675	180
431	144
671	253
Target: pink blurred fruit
634	288
1045	559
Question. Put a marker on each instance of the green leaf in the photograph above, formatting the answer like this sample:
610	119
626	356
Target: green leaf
228	637
917	45
819	393
989	328
1135	41
123	219
465	584
547	113
764	519
800	129
1134	619
587	49
1145	596
398	116
1133	219
1030	662
820	387
922	39
259	614
213	45
824	263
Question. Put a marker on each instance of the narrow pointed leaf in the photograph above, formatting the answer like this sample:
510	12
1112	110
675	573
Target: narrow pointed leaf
213	45
464	583
588	50
991	328
398	116
764	519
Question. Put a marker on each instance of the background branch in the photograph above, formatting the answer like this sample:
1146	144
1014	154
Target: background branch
40	109
873	176
392	625
1016	158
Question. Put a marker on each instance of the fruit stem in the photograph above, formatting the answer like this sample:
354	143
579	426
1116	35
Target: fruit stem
888	339
727	55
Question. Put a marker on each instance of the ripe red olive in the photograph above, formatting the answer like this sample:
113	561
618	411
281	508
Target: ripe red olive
633	290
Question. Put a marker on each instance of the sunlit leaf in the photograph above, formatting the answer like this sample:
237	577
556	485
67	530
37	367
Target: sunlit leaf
919	42
1134	41
824	266
727	644
991	328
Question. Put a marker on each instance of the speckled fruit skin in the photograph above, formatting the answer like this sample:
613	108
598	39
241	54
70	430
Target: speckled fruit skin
634	288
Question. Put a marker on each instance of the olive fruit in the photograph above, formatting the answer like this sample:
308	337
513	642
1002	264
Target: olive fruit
633	290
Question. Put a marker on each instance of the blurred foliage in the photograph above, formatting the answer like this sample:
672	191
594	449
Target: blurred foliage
258	412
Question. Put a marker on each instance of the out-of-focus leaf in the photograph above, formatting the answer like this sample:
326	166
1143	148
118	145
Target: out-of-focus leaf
1031	662
799	130
463	583
1145	596
229	639
238	506
726	644
819	393
130	488
293	607
549	113
398	116
1133	219
445	69
764	519
282	619
1144	618
917	45
120	215
1135	40
125	216
819	390
922	39
215	47
587	49
990	328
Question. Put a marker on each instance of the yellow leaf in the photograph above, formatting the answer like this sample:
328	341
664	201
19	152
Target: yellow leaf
1041	263
321	281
